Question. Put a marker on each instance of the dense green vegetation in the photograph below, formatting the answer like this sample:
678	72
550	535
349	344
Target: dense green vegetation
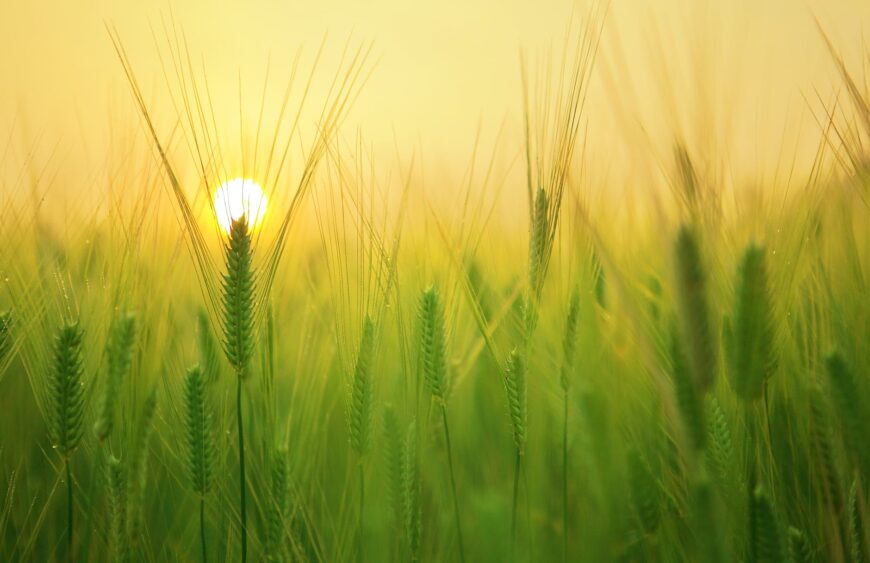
386	381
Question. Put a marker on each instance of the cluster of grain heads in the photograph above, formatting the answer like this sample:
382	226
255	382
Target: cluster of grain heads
750	338
119	356
694	310
433	343
238	343
393	459
645	492
820	437
137	468
433	358
515	387
720	450
823	451
539	245
411	507
688	397
693	359
5	335
117	494
538	237
280	476
360	416
198	436
66	395
853	414
569	348
766	543
238	299
199	442
66	390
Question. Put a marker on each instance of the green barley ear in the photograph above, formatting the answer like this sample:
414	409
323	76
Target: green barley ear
238	299
119	356
751	337
209	357
799	547
856	525
278	511
198	437
515	386
411	494
687	395
117	509
538	236
238	327
767	541
645	493
539	241
393	456
852	411
66	391
569	344
361	393
820	435
5	334
694	310
720	453
138	468
433	343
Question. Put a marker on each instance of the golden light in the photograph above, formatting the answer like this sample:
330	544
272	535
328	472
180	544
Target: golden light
239	198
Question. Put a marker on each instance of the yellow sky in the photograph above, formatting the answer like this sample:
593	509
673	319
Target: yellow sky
729	73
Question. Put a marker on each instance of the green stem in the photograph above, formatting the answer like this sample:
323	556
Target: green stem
242	470
69	514
528	512
516	495
751	475
362	497
453	483
565	479
202	528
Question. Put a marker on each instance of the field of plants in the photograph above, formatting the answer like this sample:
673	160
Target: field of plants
302	357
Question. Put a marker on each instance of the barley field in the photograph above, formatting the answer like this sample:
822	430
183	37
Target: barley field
256	336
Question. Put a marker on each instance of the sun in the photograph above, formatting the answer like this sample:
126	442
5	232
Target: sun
239	198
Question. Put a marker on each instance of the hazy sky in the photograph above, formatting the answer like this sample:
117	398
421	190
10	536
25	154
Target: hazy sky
732	72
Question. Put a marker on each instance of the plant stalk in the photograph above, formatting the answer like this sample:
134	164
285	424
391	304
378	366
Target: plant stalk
242	506
517	466
69	514
565	479
202	528
453	483
362	497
